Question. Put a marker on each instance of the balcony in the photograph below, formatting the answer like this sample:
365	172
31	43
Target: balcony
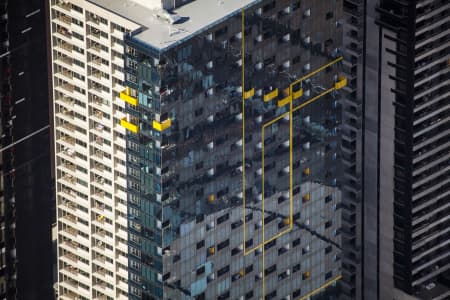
131	127
249	93
271	95
286	100
297	94
70	256
96	47
69	295
69	127
68	139
64	5
65	60
71	244
71	269
65	19
68	193
72	220
64	32
163	125
125	96
342	82
66	46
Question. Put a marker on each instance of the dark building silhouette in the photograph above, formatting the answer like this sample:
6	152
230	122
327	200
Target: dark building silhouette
26	196
396	143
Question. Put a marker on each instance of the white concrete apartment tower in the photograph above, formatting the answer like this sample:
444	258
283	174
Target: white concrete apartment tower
87	74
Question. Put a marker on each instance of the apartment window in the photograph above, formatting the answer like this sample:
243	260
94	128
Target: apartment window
297	293
296	268
135	239
223	271
77	22
282	250
131	51
269	6
78	36
270	270
223	244
271	295
270	218
224	296
221	32
249	295
77	8
236	224
135	252
134	264
235	251
270	244
200	271
200	244
223	218
78	49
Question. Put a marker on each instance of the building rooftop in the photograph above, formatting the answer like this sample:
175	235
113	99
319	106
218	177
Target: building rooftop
157	32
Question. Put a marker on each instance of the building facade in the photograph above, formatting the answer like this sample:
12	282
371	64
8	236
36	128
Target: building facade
26	199
90	150
198	154
397	63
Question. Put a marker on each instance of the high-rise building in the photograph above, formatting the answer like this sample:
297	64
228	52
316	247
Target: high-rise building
397	64
26	199
197	148
90	150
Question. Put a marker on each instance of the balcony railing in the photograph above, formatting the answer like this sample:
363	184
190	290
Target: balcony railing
64	5
65	46
65	19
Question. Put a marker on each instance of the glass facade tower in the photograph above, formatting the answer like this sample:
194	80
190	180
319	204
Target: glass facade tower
234	189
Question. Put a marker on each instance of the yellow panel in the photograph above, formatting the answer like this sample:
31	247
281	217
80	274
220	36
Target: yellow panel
131	127
307	171
127	98
307	197
249	93
341	83
271	95
211	198
163	125
306	275
297	94
284	101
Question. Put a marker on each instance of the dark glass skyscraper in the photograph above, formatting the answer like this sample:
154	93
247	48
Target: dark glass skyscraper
233	152
26	197
397	61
